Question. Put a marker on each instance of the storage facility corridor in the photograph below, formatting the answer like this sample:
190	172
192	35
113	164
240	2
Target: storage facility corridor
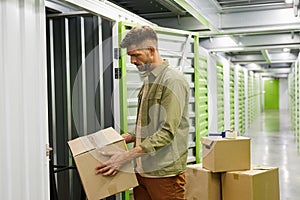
63	75
273	144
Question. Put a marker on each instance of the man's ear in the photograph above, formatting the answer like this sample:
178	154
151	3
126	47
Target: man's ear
152	50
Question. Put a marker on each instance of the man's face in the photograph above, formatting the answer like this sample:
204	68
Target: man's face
140	58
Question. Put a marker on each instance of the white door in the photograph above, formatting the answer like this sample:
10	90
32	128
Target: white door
23	101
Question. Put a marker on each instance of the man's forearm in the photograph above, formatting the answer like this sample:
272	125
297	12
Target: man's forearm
136	152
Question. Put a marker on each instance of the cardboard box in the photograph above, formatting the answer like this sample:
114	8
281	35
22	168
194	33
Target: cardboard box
202	184
259	183
221	154
86	152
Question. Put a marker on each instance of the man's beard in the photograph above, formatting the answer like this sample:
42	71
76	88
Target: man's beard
145	67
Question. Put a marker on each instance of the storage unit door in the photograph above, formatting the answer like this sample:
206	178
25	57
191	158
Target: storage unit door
79	91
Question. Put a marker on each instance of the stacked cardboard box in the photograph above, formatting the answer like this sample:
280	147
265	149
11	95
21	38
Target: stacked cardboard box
229	159
221	154
258	183
202	183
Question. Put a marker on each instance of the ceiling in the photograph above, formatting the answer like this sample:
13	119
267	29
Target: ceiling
262	35
263	32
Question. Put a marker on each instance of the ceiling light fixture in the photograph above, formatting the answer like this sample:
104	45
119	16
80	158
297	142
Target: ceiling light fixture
296	8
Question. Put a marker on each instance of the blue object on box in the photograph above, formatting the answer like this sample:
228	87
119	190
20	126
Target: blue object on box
223	134
218	134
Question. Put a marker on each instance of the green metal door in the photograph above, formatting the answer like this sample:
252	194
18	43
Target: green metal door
271	97
220	96
241	100
231	90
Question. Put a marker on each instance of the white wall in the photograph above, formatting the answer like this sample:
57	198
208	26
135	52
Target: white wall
212	94
226	68
283	94
23	101
236	97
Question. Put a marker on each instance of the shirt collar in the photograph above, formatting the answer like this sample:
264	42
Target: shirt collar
157	70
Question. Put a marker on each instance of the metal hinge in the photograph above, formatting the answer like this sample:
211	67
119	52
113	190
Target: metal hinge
117	53
118	73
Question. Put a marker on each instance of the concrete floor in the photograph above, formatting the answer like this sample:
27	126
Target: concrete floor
273	144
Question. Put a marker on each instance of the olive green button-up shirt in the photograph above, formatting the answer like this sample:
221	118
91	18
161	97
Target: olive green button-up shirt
165	122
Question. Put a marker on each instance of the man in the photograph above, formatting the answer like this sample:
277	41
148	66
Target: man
162	125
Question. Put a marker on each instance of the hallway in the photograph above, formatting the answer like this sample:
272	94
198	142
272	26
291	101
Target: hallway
273	144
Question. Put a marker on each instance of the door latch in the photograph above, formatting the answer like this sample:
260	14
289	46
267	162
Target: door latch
48	149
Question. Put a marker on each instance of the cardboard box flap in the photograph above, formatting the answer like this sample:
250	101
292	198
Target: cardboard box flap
262	169
77	147
209	140
207	143
94	141
208	146
253	171
258	167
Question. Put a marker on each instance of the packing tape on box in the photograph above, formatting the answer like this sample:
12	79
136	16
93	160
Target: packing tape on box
92	142
207	146
88	142
96	143
99	140
258	167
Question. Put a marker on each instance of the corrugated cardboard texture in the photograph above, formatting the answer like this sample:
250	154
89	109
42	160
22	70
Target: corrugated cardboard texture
97	186
220	155
201	184
256	184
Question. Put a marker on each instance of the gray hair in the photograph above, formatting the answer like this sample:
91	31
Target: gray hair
139	35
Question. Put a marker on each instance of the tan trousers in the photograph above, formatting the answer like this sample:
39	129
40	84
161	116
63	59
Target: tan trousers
169	188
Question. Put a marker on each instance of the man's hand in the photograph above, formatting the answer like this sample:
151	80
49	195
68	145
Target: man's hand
117	160
112	166
128	137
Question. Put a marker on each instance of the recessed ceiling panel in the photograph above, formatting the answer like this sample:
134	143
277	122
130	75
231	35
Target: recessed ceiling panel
249	3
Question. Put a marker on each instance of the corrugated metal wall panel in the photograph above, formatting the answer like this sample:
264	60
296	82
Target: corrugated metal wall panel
232	106
220	96
23	101
241	100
